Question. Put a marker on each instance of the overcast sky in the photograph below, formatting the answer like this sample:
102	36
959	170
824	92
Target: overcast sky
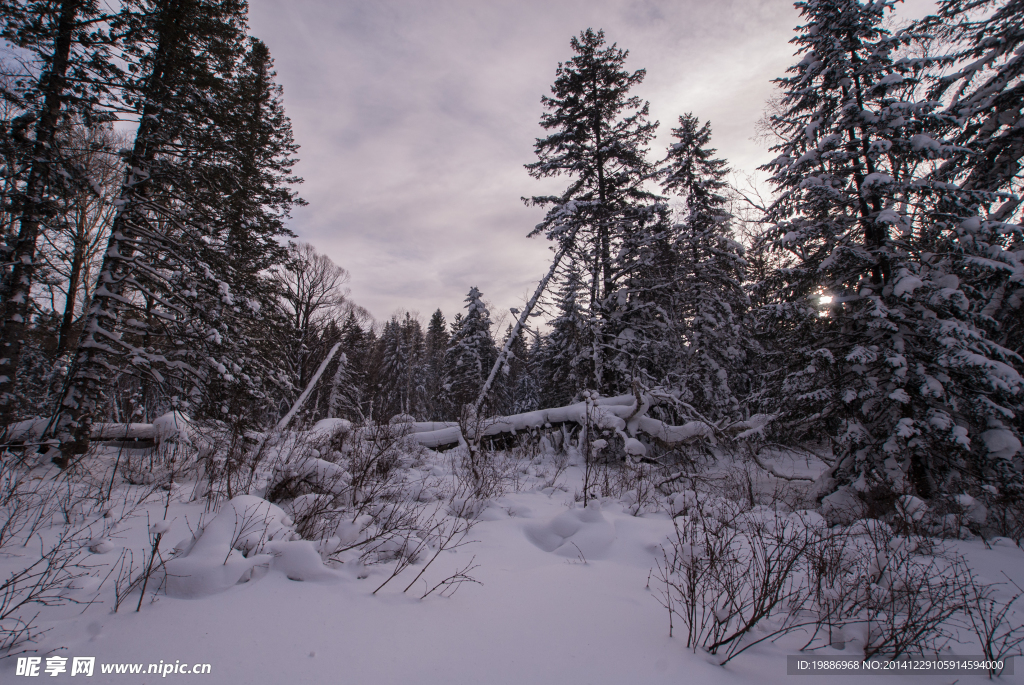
415	119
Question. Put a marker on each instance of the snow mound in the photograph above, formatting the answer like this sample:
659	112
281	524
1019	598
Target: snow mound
231	545
842	506
1001	443
329	428
299	560
29	429
174	427
574	532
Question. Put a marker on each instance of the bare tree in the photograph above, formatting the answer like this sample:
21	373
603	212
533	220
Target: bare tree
314	293
72	250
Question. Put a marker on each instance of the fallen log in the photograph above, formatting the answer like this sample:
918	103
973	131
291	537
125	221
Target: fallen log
619	414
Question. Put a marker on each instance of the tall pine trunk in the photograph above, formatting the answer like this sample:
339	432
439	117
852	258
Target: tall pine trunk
17	289
88	376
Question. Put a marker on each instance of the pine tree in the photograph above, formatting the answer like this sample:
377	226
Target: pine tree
518	391
644	325
567	351
392	373
711	300
434	369
67	41
982	97
400	375
253	182
471	353
347	388
414	380
181	54
598	139
886	356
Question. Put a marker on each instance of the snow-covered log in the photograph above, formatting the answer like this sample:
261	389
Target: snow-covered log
675	434
438	438
618	414
173	426
609	413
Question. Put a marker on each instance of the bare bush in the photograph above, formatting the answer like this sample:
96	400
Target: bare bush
996	624
728	571
43	583
733	570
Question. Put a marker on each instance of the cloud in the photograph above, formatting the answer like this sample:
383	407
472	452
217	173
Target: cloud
416	118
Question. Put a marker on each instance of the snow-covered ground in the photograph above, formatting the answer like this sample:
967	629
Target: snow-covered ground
562	593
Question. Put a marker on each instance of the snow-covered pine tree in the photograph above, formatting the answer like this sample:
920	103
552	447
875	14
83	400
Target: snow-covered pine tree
255	183
343	396
566	356
598	139
471	353
435	344
70	51
886	358
516	389
414	381
392	372
400	371
180	57
522	387
347	393
714	364
528	389
647	321
983	97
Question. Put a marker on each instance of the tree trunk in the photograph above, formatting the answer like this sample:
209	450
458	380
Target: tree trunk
17	290
68	319
87	378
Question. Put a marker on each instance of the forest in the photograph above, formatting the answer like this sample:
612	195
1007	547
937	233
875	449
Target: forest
843	346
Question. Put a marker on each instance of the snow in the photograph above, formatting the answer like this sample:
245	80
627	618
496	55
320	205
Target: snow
906	285
1001	443
923	141
635	448
173	426
842	506
227	548
575	532
566	594
329	428
675	434
607	413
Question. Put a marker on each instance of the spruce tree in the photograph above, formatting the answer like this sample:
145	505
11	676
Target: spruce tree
715	360
180	55
886	357
414	380
348	383
400	375
253	181
392	372
598	139
71	49
471	353
648	322
983	95
568	349
518	391
435	344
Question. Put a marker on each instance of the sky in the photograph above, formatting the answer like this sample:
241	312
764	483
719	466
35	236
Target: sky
415	120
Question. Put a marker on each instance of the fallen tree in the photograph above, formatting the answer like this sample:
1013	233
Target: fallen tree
624	415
